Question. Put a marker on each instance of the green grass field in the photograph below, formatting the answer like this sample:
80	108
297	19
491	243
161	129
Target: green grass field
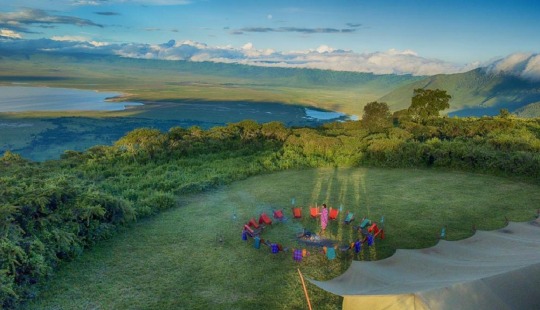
176	260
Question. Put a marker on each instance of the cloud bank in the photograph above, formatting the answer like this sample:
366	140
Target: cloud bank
323	57
525	65
9	34
22	20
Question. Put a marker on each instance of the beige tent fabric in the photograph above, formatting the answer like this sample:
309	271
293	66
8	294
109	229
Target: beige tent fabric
387	302
491	270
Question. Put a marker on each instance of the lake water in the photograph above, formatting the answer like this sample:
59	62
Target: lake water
45	139
21	99
323	115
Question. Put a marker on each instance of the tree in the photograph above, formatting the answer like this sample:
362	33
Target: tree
275	130
142	140
427	103
504	113
376	116
10	158
249	129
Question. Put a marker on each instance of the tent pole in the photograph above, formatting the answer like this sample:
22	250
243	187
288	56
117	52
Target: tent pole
305	289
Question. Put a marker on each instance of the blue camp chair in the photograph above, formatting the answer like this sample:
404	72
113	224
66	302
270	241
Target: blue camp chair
330	253
357	247
349	218
370	240
365	223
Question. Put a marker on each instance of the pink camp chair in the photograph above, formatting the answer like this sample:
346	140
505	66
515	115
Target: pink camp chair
251	232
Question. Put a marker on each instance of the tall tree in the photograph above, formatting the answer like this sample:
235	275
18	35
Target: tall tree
376	116
427	103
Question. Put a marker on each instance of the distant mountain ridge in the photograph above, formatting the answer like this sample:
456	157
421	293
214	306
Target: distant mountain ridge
270	75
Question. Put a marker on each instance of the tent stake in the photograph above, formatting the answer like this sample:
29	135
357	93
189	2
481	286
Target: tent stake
305	289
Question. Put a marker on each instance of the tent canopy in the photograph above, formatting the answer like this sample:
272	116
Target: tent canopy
497	269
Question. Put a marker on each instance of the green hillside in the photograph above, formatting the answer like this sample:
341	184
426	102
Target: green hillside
530	110
474	93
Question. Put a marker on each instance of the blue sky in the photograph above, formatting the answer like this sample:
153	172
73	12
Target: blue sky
438	35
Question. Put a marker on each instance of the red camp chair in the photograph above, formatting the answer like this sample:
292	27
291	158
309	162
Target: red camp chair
333	214
264	219
253	223
278	214
314	212
376	231
297	212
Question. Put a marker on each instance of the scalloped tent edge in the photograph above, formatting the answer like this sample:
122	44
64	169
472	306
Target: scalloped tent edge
497	269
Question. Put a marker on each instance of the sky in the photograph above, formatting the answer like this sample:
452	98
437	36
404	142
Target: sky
418	37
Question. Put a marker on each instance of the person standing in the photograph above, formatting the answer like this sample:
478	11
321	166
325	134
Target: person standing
324	217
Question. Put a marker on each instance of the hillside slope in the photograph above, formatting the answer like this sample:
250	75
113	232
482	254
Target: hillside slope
474	93
530	110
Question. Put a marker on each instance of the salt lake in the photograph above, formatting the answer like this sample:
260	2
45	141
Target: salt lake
22	99
30	98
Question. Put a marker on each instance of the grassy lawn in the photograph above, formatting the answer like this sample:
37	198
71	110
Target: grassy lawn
176	260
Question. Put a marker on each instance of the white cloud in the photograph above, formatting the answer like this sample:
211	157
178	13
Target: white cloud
511	63
526	65
10	34
27	18
69	38
394	51
324	49
98	44
532	70
87	2
191	43
80	39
